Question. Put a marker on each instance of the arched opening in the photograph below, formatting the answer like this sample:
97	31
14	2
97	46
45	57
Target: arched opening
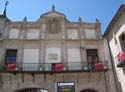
32	90
88	90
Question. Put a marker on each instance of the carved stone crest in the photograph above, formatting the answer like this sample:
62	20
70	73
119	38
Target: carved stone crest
53	25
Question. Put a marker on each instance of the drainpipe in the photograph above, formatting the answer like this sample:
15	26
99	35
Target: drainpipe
113	66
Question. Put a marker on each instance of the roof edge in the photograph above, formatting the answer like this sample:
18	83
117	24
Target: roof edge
119	11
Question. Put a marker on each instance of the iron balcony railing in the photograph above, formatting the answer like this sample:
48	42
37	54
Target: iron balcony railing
11	59
52	67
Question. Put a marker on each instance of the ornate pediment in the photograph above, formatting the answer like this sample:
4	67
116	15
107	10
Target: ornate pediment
53	13
53	20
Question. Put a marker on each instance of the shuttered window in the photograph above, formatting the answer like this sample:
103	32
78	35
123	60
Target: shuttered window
74	59
30	59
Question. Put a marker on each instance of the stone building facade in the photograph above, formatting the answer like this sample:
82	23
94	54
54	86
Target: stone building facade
115	35
53	54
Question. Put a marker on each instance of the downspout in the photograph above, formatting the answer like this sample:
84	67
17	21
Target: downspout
112	66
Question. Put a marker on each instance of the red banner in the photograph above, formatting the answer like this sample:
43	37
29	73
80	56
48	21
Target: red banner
98	65
11	66
58	66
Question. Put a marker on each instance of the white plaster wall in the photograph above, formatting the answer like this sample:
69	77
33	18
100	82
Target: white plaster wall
114	48
14	33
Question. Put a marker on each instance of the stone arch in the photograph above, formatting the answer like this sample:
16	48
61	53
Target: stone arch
32	90
89	90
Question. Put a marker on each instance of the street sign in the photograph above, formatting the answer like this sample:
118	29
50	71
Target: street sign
65	86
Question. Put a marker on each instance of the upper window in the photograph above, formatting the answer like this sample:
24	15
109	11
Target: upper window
122	41
33	34
92	55
72	34
90	34
11	56
14	33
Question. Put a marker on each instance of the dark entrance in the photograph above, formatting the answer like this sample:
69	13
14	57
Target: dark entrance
88	90
33	90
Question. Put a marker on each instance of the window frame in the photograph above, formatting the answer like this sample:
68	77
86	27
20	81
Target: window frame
122	40
93	56
10	56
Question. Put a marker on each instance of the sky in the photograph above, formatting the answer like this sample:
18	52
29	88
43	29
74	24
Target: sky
88	10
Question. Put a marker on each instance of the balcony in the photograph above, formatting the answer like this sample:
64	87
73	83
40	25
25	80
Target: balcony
53	67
